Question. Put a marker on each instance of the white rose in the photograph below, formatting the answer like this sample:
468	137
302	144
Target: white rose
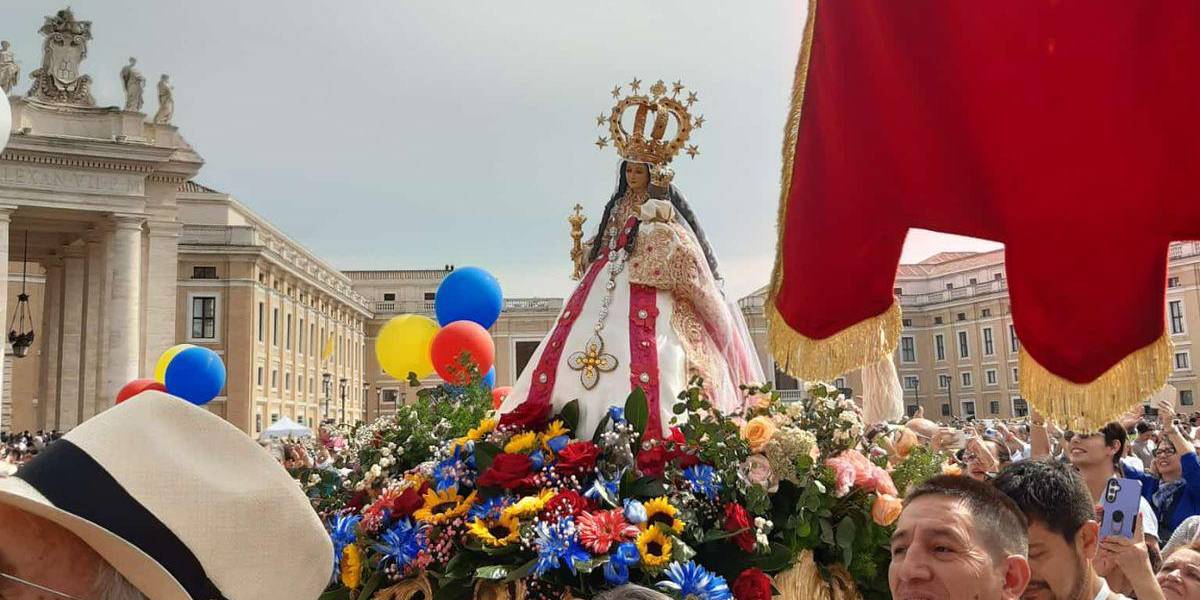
385	451
830	404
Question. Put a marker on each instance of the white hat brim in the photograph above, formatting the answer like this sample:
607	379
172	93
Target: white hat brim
130	561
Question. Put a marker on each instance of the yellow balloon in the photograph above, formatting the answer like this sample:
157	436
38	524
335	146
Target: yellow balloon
160	368
403	346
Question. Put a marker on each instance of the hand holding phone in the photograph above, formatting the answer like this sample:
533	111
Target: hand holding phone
1121	502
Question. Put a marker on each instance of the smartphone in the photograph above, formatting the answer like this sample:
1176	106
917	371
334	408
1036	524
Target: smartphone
1122	500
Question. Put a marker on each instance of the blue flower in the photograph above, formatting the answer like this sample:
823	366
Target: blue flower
557	443
446	474
703	479
693	581
635	512
343	533
616	570
557	544
605	489
490	508
538	460
616	414
401	544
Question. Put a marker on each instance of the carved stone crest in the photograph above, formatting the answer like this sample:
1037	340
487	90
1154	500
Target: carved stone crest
10	71
59	80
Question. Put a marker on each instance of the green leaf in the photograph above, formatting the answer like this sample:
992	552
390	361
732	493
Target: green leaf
601	428
845	538
646	487
679	408
714	535
454	589
637	411
826	532
485	453
520	572
371	585
492	572
681	552
779	558
570	415
338	594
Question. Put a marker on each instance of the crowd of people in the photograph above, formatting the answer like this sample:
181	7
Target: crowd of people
1018	510
18	448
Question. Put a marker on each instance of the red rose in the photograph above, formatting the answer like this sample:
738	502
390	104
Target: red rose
507	471
684	455
527	416
652	462
737	519
357	501
577	458
565	504
409	501
677	436
752	584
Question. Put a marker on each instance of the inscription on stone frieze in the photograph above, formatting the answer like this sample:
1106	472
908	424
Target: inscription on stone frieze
64	180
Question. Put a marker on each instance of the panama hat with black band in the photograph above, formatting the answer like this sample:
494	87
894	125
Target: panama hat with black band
181	503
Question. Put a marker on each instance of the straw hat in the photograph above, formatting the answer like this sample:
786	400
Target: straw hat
181	503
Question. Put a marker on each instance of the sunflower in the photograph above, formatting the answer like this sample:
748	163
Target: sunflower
660	511
529	505
496	533
553	430
655	548
443	506
485	427
351	566
522	442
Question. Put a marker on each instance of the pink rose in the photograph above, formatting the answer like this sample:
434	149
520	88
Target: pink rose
758	472
852	467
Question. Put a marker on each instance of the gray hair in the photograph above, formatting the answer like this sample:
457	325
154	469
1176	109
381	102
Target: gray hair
111	585
631	592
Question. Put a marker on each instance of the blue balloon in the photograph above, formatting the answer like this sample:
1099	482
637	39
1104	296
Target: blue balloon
489	380
469	294
196	375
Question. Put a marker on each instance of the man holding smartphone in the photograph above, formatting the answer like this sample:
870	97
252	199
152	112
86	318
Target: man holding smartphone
1063	532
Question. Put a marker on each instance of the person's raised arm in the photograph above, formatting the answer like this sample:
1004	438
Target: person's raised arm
1039	438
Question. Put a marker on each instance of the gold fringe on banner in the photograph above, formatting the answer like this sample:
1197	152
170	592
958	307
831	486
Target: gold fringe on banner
804	582
863	343
1088	406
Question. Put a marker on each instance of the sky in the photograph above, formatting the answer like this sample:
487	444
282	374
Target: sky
401	134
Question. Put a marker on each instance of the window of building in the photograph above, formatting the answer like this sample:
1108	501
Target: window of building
260	376
430	296
961	316
906	322
989	376
1175	308
287	380
939	347
898	291
275	327
261	310
945	410
1183	361
312	339
989	345
257	423
783	381
912	409
998	276
300	419
524	352
1016	375
1172	282
389	396
966	378
300	384
908	350
204	272
911	382
389	297
274	379
1013	343
949	286
964	351
968	407
974	281
300	343
994	407
937	320
839	383
311	388
287	336
274	418
943	381
1020	408
204	317
987	312
1185	398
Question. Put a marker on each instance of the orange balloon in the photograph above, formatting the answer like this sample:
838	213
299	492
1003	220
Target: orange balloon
499	394
455	340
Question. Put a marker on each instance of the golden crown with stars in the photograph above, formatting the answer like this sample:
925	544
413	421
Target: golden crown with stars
658	108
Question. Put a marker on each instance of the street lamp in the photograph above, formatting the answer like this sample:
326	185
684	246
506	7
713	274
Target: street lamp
362	400
342	388
327	380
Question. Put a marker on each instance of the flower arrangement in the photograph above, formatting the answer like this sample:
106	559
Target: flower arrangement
707	510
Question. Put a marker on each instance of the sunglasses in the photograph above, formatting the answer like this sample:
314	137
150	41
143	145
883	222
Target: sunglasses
40	588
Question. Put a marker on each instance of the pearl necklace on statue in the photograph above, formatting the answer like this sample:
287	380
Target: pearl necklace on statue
592	360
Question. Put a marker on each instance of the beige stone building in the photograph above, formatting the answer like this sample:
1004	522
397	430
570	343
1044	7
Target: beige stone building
958	349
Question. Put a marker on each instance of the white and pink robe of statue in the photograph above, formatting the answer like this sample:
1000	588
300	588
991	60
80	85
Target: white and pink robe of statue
667	322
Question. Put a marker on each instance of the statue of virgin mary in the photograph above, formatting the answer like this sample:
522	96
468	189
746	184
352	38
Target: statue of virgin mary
648	312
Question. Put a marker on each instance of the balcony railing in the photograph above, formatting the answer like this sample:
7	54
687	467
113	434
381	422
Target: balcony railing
980	289
511	305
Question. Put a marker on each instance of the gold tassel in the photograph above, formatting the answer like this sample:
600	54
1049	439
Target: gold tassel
803	581
1088	406
863	343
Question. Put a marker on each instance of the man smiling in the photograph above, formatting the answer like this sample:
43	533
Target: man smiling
958	539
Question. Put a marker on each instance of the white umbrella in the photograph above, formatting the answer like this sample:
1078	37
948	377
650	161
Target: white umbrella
285	428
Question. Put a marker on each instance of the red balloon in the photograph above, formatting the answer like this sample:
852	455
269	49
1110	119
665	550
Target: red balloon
499	394
456	339
138	386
